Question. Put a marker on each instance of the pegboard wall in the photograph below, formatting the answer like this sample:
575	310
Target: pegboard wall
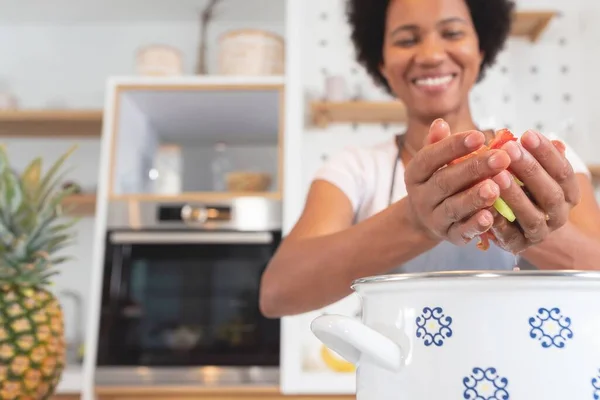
549	85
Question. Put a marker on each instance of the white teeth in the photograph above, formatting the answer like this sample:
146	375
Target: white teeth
442	80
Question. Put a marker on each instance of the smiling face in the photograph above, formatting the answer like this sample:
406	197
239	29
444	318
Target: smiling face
431	56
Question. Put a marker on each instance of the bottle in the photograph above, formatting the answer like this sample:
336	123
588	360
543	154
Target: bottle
221	166
166	174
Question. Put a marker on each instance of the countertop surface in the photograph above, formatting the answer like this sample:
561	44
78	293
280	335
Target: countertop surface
208	378
71	380
209	393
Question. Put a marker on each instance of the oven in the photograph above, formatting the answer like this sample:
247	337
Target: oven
180	293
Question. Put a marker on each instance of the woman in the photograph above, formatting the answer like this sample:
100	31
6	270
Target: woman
397	207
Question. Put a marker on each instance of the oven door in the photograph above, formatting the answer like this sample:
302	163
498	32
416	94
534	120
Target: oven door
186	298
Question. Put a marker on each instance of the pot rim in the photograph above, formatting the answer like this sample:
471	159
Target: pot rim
477	274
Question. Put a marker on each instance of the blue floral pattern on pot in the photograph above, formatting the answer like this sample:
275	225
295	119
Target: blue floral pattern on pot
485	384
434	326
596	386
551	328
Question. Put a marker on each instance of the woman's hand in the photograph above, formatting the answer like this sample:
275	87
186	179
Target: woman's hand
548	176
452	203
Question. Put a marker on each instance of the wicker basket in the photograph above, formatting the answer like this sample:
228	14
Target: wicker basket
242	181
159	60
251	52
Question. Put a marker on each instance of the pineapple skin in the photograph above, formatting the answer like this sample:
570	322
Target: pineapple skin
32	344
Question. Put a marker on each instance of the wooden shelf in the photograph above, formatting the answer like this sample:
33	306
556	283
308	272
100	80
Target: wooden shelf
325	113
531	24
51	123
84	205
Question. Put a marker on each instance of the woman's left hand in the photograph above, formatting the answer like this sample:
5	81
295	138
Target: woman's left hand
549	177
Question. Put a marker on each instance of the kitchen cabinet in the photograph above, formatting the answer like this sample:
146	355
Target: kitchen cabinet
200	393
165	136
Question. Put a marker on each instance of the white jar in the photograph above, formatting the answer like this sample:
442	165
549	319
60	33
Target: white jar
251	52
167	170
159	60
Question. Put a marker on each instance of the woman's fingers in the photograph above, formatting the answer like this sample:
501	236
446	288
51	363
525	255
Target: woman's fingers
463	205
434	156
545	190
550	155
458	177
465	231
560	146
439	130
508	236
547	175
455	202
530	218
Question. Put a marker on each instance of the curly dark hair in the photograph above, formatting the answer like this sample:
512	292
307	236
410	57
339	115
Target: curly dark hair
492	20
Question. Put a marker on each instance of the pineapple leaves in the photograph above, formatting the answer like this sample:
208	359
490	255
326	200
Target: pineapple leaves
6	236
56	242
4	164
39	234
31	225
47	182
31	178
12	193
61	260
42	197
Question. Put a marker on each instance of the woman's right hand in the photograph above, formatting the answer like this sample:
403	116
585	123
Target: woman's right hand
452	202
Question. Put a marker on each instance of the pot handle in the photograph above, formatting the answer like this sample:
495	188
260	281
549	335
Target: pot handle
350	338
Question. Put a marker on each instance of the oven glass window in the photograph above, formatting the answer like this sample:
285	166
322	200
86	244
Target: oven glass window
187	304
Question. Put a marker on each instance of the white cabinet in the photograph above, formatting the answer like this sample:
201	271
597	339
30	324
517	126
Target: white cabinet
175	126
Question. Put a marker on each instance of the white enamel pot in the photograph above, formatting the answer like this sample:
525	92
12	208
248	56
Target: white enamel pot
523	335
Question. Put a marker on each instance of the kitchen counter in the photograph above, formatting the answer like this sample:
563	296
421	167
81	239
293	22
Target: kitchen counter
202	392
206	383
71	380
70	388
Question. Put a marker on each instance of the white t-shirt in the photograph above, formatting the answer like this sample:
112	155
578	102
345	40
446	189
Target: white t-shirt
364	174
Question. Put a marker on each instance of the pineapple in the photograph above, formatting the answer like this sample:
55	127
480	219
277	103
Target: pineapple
32	230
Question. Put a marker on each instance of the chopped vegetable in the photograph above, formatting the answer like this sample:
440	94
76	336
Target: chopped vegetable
484	240
504	210
502	137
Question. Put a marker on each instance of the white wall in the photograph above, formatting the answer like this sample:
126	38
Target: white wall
547	85
67	66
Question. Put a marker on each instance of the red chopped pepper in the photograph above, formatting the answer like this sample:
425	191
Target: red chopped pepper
502	137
